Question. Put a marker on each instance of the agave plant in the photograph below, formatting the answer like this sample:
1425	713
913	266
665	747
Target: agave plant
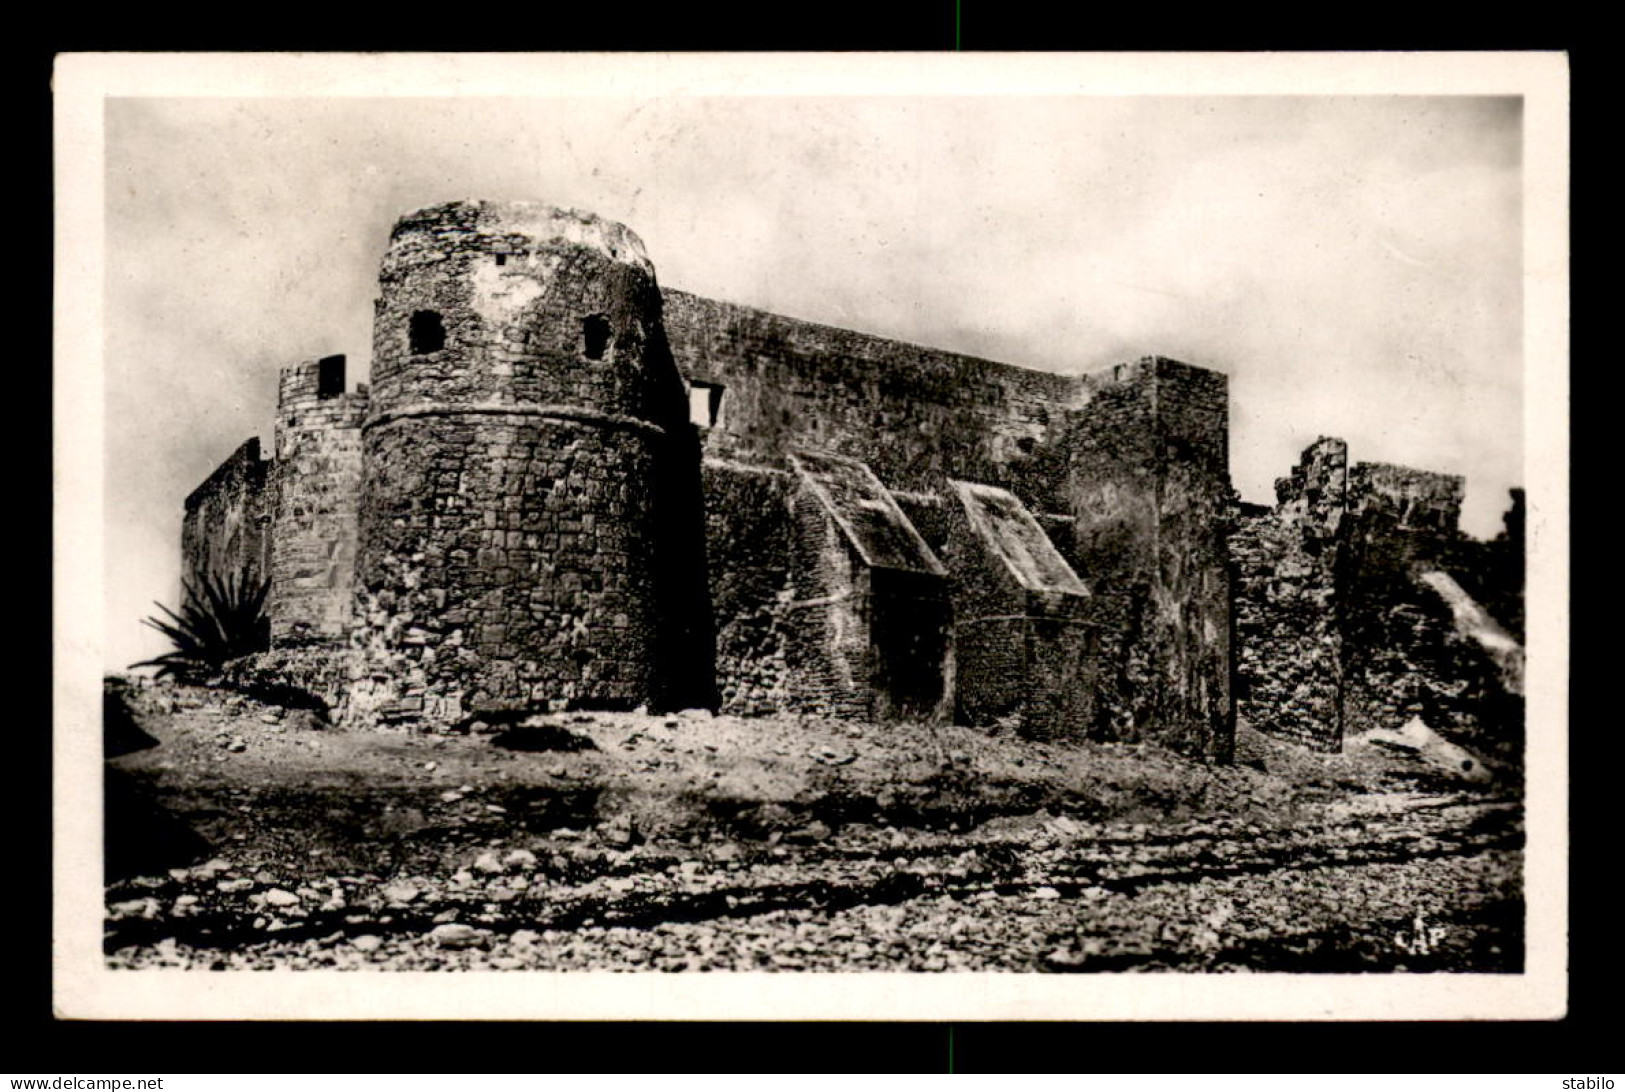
220	619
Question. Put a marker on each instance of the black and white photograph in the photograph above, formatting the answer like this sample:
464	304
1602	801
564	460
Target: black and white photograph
598	536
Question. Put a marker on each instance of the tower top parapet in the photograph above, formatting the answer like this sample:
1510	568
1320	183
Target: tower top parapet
508	227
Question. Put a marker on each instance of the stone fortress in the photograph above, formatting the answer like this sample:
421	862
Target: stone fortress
569	488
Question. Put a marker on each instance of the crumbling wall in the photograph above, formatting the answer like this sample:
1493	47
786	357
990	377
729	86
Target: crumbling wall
889	616
225	531
916	416
1290	638
317	481
1342	629
1404	655
1492	572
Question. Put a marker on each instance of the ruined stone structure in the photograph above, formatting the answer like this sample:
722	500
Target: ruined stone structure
571	488
1357	607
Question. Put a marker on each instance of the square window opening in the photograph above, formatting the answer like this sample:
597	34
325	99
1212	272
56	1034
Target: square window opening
705	404
330	377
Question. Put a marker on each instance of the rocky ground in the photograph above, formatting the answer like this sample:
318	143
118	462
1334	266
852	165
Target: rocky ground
244	835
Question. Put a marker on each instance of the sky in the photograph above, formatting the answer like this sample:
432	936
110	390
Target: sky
1353	264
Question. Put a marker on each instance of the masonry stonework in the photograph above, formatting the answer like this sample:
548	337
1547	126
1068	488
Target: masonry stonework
508	516
569	488
315	487
1339	619
1287	626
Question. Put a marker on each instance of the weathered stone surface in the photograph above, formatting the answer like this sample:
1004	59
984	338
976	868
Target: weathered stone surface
1354	611
314	491
569	488
1026	654
1288	607
509	510
225	530
1148	492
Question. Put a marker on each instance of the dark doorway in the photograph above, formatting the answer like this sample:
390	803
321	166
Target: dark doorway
908	632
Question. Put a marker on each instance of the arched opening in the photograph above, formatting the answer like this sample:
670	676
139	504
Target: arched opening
426	333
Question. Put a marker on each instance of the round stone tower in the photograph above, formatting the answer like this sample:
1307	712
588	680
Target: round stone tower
506	555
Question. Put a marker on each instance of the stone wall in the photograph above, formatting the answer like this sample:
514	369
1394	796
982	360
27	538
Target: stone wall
225	531
1342	629
569	488
915	416
828	657
750	529
1192	592
317	482
1024	655
503	569
1288	627
1149	493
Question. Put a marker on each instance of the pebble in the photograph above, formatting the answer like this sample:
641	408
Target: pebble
143	908
619	831
455	935
367	942
278	897
401	892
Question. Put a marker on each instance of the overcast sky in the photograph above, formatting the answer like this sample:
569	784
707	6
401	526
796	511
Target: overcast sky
1353	264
